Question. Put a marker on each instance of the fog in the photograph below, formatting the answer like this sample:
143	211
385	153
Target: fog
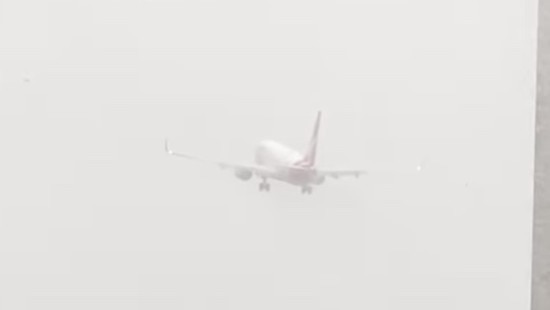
94	214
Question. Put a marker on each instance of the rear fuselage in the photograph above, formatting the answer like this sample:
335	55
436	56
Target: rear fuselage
283	160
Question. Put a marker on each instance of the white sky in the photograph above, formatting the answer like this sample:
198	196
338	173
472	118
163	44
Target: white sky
93	214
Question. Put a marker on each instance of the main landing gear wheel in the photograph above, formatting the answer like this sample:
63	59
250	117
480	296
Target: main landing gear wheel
307	190
264	186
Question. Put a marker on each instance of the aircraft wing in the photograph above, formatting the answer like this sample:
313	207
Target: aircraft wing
341	173
238	168
377	171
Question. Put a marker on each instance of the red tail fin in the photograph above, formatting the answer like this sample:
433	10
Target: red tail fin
309	157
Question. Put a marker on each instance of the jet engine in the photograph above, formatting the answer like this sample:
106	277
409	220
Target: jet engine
319	180
243	174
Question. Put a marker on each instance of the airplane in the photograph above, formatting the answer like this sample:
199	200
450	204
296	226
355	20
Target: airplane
276	161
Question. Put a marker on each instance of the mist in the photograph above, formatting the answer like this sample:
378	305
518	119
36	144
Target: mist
93	212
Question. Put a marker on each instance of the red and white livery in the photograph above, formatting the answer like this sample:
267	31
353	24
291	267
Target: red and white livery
275	161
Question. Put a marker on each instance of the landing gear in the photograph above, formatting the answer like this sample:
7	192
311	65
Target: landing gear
264	186
307	189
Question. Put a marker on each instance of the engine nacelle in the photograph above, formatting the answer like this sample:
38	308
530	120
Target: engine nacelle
243	174
319	180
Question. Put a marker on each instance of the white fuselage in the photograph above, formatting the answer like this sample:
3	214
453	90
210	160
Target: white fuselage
282	160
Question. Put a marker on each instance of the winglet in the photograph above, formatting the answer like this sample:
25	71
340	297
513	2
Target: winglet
170	152
166	149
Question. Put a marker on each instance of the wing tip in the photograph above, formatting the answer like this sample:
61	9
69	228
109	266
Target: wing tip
166	148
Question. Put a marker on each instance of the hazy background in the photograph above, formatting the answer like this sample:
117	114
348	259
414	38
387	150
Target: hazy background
94	214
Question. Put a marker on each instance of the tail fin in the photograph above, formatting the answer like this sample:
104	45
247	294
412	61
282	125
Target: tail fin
309	157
